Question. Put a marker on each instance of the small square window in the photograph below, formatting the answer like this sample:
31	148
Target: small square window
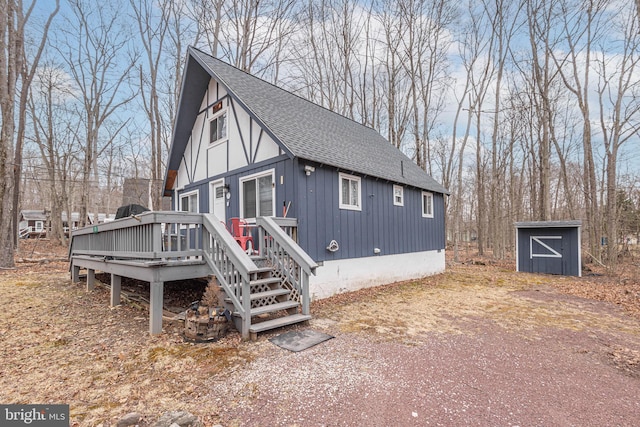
427	204
398	195
218	128
349	192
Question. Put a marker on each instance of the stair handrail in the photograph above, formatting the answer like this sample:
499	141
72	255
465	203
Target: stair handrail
288	244
226	260
279	248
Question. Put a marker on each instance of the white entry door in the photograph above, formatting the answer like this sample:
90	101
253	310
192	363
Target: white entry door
218	200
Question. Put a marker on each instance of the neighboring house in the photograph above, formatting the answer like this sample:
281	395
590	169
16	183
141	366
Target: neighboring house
243	147
75	221
36	223
33	223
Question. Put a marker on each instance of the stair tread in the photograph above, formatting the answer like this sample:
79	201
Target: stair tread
279	322
271	293
274	307
265	281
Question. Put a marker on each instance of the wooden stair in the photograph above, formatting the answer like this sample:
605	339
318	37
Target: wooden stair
272	304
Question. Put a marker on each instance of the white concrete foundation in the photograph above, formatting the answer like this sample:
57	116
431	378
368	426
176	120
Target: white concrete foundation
346	275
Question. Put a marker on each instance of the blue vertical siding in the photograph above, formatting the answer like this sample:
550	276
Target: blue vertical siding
380	224
315	203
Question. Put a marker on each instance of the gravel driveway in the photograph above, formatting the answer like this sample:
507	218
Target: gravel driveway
512	354
488	377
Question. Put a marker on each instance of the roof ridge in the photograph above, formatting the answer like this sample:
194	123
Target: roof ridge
285	90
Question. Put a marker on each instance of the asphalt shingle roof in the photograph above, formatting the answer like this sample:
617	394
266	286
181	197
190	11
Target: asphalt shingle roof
315	133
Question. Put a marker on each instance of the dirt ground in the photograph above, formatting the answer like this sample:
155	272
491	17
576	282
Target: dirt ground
477	345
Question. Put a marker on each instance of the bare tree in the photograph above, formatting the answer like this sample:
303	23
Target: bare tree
541	15
395	84
93	50
16	74
619	102
503	16
208	15
153	23
474	45
52	132
27	73
580	29
424	58
252	32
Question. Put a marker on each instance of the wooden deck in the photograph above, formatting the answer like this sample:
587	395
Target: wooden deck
164	246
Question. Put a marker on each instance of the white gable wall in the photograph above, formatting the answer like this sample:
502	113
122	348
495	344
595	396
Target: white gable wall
246	142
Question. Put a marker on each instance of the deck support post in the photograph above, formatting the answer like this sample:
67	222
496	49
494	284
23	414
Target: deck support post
304	279
75	273
91	277
246	306
116	283
155	307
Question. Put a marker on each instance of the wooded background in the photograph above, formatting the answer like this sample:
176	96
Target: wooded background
524	110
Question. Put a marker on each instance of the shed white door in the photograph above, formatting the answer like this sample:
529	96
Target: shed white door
218	201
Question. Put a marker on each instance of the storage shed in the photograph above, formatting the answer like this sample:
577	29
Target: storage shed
551	247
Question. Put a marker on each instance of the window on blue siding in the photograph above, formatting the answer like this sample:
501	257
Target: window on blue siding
427	204
218	127
189	202
350	192
258	195
398	195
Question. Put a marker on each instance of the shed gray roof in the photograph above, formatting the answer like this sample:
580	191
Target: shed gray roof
304	129
549	224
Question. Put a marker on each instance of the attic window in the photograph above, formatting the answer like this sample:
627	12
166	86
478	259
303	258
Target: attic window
218	125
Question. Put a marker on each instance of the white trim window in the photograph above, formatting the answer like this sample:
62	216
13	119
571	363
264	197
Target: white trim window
218	125
350	192
427	204
257	195
398	195
189	202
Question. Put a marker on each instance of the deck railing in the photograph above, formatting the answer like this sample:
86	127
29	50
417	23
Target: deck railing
286	257
150	236
166	238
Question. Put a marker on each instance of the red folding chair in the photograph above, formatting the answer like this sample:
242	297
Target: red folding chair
239	231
